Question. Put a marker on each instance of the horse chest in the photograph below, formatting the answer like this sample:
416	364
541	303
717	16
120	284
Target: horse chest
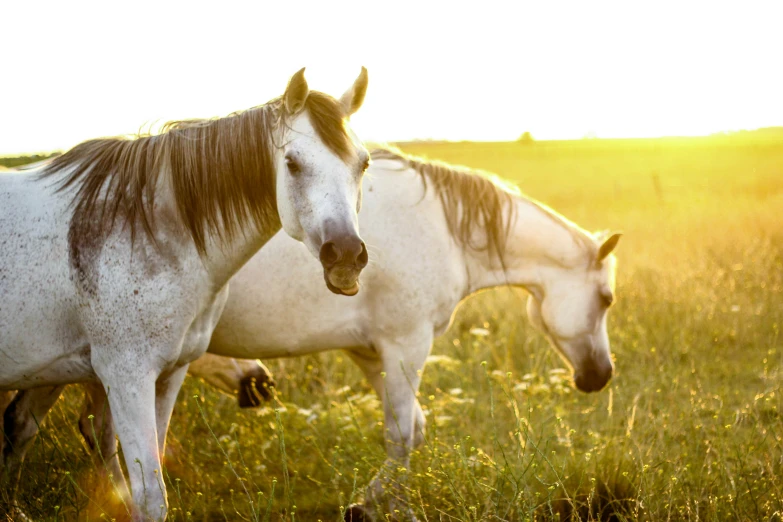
197	337
444	316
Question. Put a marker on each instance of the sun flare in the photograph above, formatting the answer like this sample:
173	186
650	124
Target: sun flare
437	71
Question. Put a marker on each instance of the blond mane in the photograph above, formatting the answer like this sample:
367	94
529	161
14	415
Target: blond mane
471	199
221	173
475	199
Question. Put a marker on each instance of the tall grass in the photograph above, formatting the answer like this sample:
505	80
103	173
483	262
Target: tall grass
689	429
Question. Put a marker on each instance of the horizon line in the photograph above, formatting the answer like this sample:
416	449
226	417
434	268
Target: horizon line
775	131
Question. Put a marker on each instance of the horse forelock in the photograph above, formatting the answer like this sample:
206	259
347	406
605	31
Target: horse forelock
221	173
328	119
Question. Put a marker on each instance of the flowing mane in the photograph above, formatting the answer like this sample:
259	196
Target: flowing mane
221	173
474	199
471	199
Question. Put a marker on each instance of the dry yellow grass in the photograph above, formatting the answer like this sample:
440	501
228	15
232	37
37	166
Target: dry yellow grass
690	428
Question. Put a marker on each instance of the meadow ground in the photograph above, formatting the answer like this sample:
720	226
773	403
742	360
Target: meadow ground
690	428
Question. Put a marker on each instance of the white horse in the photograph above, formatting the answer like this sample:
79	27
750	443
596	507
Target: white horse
437	234
115	257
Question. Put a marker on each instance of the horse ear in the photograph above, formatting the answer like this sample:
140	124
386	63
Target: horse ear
354	97
608	246
296	92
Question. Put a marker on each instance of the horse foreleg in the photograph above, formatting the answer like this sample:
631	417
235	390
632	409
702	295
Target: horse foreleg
397	380
97	428
131	394
371	365
21	420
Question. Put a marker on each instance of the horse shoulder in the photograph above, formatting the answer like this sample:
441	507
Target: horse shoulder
150	298
419	276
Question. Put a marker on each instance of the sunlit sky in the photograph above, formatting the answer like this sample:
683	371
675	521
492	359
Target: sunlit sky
478	70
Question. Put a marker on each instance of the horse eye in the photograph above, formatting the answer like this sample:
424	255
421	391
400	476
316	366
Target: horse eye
607	299
293	166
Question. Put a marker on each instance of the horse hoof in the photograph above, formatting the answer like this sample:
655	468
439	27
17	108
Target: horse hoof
357	513
253	390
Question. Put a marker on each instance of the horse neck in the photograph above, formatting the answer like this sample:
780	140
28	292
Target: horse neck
221	259
537	245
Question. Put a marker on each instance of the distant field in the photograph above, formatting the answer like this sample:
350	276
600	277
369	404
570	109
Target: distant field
689	429
12	162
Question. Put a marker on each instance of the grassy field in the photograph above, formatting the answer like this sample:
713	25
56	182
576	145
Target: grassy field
690	428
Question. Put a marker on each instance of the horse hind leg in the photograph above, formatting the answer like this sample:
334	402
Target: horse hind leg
21	420
256	386
97	428
5	399
166	390
249	378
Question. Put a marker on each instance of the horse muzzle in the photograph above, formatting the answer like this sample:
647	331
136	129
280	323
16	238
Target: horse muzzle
593	377
343	259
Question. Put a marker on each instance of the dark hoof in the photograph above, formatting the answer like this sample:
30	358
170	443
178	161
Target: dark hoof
357	513
255	390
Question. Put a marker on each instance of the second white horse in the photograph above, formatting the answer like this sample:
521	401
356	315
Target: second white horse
436	235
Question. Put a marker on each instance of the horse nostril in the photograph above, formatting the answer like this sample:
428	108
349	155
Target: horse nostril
329	254
363	258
